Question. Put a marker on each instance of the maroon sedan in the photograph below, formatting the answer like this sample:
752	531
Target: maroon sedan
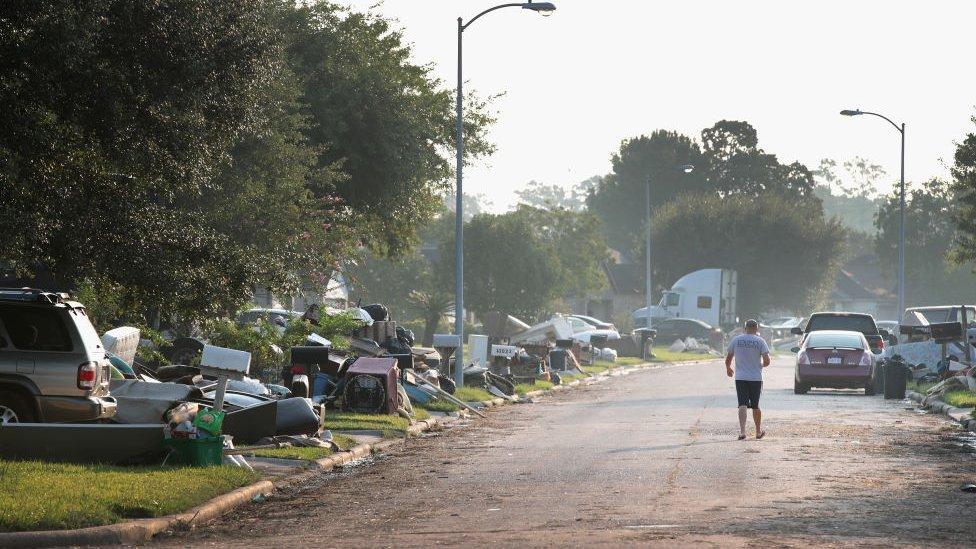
837	359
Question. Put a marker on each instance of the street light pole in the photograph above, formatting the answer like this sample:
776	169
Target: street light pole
543	8
647	252
459	226
901	203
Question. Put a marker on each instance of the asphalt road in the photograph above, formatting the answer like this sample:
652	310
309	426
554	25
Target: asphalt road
645	459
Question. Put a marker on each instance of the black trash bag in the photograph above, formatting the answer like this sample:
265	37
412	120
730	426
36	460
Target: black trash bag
396	347
504	385
447	384
184	350
405	336
177	373
377	312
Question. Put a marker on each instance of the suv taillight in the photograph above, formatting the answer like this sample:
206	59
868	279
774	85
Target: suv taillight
87	375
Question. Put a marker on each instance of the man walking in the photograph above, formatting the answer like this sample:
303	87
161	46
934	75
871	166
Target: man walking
751	355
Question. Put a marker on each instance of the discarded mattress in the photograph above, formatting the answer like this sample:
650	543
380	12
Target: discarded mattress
122	342
146	401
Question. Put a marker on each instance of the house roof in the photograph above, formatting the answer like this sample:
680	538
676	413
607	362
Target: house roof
864	268
847	287
627	279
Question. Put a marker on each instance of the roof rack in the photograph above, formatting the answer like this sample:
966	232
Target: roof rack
32	295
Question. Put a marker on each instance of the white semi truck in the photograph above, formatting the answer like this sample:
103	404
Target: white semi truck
708	295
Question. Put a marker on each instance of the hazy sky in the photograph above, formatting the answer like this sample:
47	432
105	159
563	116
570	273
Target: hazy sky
599	71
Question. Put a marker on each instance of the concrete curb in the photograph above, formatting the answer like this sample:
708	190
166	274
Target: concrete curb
961	415
142	530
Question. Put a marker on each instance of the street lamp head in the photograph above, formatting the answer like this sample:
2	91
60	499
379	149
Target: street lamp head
687	168
542	8
848	112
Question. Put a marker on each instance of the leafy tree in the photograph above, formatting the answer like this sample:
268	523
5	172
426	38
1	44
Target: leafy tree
386	120
185	152
849	192
618	200
474	204
785	257
409	285
737	166
929	232
114	112
964	185
508	266
540	195
579	244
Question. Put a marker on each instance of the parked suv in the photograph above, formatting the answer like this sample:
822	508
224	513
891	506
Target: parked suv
855	322
52	363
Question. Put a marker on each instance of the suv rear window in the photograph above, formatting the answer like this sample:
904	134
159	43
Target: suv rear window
820	339
854	323
35	329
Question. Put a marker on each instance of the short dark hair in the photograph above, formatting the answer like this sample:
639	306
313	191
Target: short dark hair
752	324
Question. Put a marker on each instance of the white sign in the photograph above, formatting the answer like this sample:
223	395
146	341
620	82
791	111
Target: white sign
229	360
506	351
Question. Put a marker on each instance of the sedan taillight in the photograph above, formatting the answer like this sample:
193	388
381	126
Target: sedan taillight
87	375
865	359
803	358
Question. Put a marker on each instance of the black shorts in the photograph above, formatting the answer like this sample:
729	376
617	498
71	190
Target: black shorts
748	392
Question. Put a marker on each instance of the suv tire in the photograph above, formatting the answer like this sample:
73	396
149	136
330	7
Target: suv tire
14	408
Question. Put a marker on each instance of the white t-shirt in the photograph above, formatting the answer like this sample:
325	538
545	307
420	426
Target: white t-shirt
748	350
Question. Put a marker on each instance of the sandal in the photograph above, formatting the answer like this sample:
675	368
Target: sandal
760	435
742	437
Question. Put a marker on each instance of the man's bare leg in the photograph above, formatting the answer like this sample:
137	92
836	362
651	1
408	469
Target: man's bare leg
757	417
742	420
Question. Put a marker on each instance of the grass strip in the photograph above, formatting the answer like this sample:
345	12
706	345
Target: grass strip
628	361
960	399
349	421
437	406
539	385
662	354
921	387
54	496
307	453
472	394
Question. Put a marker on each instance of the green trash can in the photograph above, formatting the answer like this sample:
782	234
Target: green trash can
198	452
895	380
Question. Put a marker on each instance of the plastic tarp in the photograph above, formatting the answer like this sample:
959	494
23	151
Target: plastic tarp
928	353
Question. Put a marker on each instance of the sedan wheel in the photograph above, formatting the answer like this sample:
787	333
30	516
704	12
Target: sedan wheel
799	389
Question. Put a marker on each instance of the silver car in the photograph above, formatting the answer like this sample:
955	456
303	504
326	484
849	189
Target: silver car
52	363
